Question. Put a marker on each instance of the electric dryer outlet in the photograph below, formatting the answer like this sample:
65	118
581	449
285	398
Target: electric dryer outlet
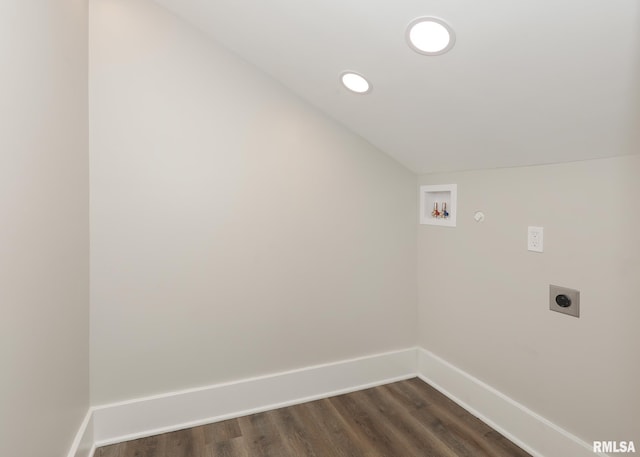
564	300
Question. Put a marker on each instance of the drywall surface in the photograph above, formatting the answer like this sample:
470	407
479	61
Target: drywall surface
44	246
484	297
235	230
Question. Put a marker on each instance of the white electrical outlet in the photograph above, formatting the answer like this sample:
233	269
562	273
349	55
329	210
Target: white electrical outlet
535	239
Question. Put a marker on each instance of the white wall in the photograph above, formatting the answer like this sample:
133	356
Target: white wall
484	297
44	247
235	230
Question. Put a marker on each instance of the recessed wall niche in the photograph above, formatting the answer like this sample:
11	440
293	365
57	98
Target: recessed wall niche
438	204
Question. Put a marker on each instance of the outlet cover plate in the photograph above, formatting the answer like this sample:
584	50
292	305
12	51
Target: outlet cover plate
535	239
574	296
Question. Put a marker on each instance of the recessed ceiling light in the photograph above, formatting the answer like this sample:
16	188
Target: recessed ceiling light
430	36
355	82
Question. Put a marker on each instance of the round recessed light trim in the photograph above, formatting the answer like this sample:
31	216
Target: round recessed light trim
430	36
355	82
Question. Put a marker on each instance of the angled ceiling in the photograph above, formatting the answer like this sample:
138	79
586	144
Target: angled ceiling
527	82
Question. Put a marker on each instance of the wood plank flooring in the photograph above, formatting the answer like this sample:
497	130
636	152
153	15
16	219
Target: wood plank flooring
403	419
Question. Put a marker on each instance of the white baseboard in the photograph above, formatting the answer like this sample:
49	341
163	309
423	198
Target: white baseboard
83	444
178	410
148	416
532	432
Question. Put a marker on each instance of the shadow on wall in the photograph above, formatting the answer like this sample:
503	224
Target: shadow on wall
634	128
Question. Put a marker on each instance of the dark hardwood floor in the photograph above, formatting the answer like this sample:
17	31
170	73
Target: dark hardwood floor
403	419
